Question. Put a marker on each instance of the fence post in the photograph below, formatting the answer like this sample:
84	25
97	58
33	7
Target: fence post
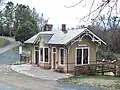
75	71
103	66
88	71
115	71
103	69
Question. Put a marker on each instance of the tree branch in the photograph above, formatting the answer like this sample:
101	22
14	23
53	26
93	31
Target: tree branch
74	4
91	7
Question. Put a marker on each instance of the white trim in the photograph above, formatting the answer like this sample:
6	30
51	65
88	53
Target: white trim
82	45
34	55
82	55
52	65
99	40
43	56
39	56
96	36
60	57
86	35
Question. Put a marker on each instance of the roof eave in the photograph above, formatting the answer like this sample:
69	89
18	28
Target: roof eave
90	32
98	37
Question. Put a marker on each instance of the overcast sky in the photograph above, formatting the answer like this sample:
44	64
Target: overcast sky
57	12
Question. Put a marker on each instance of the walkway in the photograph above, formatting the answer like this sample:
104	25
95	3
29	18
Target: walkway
25	82
12	44
34	71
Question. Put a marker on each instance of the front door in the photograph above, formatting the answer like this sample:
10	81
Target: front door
53	58
36	55
82	55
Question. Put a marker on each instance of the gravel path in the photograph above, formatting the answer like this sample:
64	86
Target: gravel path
37	72
29	83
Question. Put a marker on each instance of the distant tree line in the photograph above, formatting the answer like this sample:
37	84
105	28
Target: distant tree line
108	28
20	21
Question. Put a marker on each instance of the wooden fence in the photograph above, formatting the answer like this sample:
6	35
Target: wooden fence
100	67
25	59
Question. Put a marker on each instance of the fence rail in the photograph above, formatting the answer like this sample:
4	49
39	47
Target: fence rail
25	59
100	67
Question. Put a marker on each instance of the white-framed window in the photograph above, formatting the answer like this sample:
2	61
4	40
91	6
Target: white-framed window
41	54
44	54
82	55
62	56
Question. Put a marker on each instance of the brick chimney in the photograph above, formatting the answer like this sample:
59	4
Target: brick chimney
64	28
48	27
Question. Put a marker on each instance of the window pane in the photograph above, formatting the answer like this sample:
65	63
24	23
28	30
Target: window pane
85	56
54	49
79	56
46	54
54	59
36	48
62	55
41	54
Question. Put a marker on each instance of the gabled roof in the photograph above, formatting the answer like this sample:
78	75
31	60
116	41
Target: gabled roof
62	38
59	37
33	39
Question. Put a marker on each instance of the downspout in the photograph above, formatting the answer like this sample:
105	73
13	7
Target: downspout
50	60
97	51
67	60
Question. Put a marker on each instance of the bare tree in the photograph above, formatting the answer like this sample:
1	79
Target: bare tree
105	16
111	23
97	6
42	22
1	1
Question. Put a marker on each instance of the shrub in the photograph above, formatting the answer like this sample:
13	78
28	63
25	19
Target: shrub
107	55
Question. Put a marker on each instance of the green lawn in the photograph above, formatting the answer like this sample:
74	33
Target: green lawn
3	42
105	82
87	77
24	48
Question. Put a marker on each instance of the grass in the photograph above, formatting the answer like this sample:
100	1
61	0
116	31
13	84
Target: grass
87	77
24	48
3	42
16	49
96	80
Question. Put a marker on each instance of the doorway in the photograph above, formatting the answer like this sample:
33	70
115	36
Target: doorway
37	55
54	57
